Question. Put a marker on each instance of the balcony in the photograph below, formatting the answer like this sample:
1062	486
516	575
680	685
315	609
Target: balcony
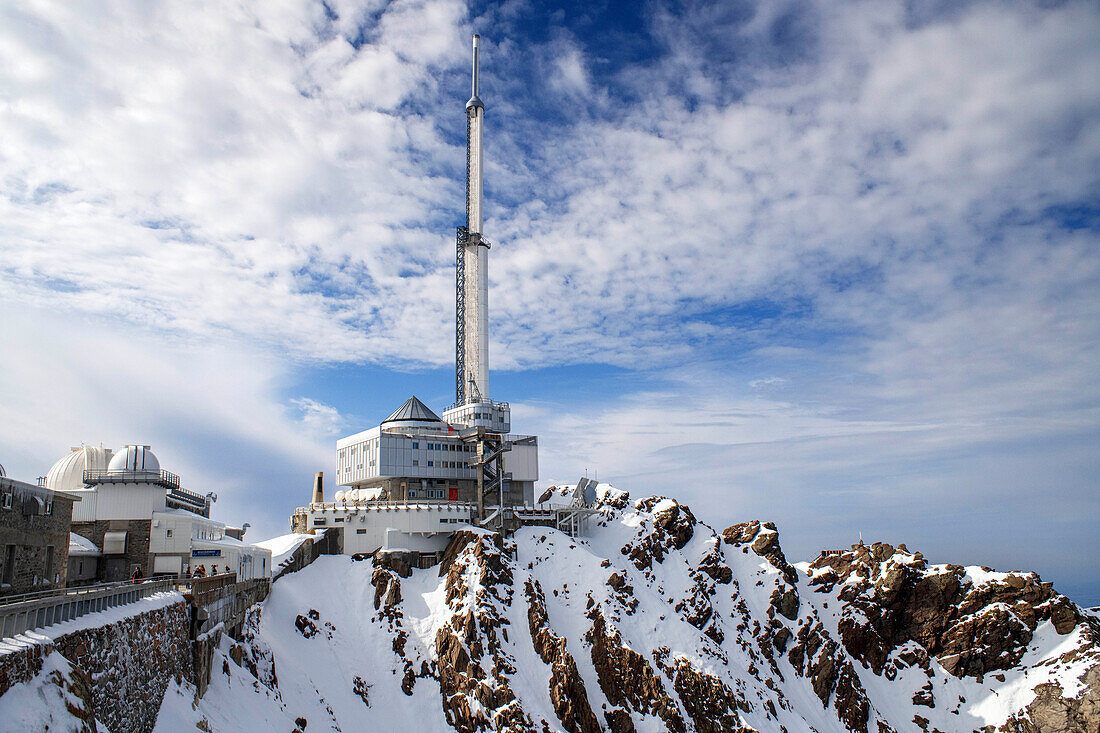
167	479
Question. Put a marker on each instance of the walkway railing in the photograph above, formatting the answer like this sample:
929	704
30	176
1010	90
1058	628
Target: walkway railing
31	611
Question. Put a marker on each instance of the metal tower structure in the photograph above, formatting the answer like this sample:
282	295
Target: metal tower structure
472	267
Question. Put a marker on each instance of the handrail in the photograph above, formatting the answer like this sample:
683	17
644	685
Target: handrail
164	478
36	613
72	591
338	506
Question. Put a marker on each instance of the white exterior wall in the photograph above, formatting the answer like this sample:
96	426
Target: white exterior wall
184	527
376	454
84	510
190	531
357	457
247	561
496	416
123	501
416	526
522	462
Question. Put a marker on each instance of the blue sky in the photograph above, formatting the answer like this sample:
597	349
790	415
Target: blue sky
833	265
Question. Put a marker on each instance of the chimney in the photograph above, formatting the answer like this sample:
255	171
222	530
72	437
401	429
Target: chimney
318	488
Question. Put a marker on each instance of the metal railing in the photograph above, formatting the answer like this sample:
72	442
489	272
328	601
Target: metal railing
387	504
29	611
160	478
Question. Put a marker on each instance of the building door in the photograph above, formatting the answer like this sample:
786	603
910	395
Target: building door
452	494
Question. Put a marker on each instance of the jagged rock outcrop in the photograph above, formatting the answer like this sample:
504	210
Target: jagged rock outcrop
655	621
567	691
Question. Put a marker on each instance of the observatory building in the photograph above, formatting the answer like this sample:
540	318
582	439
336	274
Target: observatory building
133	514
412	480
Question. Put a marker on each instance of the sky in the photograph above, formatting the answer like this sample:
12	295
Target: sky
832	265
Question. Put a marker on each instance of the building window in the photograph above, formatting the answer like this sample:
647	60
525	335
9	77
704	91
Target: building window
360	531
416	445
49	564
7	501
49	506
169	532
319	521
431	463
416	462
412	493
337	519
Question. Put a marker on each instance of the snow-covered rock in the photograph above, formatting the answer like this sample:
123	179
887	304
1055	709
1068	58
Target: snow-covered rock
656	622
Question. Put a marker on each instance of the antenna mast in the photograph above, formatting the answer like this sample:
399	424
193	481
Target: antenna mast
472	265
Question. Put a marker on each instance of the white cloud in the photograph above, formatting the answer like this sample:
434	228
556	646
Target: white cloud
870	210
318	419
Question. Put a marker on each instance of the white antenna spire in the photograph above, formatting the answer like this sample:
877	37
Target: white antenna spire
472	311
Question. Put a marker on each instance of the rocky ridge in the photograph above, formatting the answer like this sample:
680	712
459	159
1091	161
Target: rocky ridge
655	622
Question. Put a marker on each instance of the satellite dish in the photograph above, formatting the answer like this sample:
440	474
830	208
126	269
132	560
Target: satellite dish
590	493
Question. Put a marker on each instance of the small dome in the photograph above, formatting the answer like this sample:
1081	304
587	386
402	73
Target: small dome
134	458
67	473
338	497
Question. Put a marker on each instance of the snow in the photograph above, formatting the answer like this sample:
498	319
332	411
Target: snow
284	546
981	576
663	506
41	704
80	546
354	644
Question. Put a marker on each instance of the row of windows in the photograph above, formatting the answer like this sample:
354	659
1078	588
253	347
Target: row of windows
443	446
428	493
442	464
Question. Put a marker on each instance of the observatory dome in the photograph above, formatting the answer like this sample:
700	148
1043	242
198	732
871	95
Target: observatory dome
134	458
67	473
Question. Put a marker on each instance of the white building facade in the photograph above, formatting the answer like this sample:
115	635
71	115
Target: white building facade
137	515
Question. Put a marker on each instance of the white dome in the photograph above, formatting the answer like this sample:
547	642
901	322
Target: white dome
68	473
338	496
134	458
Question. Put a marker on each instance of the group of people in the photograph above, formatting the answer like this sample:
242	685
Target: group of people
200	572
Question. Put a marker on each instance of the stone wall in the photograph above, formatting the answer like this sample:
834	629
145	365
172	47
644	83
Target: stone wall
119	567
31	533
129	661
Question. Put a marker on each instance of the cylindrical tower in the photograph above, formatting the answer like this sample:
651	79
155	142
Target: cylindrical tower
476	256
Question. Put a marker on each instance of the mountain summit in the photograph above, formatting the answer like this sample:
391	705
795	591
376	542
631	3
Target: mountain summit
655	622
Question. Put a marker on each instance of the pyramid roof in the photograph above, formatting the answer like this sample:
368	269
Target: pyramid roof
413	409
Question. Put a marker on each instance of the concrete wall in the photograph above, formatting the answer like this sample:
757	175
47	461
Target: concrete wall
30	535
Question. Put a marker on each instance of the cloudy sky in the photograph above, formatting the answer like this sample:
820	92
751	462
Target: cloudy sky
833	265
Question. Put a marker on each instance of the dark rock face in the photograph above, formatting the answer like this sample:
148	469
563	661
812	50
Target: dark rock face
567	691
627	680
471	662
1050	712
972	630
673	528
763	538
667	624
712	707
